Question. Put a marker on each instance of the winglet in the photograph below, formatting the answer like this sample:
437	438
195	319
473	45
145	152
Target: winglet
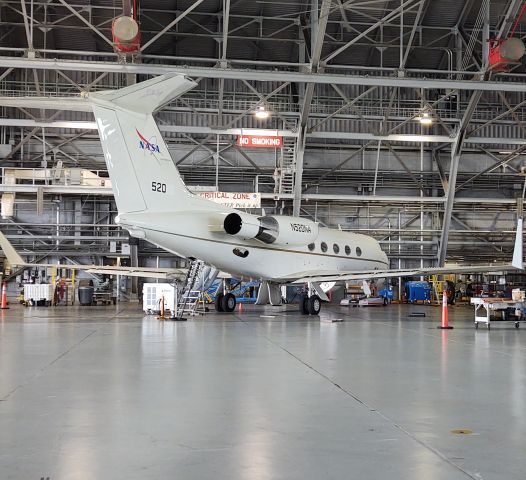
9	251
517	250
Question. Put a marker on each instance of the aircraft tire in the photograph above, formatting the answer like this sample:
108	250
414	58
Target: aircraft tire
228	303
304	308
314	305
219	302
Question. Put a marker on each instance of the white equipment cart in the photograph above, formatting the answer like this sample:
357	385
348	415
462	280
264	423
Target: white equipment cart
152	293
492	305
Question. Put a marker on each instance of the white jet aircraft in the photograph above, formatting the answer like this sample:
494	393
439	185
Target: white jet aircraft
154	204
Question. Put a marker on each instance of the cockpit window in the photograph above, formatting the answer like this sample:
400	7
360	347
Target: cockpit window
336	248
358	251
323	247
312	247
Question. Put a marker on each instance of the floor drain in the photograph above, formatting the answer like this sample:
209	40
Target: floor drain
462	431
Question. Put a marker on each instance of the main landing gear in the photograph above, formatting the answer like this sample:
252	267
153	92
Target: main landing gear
310	305
225	302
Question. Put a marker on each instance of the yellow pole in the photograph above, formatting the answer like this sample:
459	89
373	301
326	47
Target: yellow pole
73	285
161	308
53	273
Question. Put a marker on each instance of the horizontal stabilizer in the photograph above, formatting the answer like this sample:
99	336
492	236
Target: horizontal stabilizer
165	273
75	104
9	251
145	97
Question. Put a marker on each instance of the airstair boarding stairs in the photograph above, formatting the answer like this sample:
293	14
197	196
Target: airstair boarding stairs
190	301
288	167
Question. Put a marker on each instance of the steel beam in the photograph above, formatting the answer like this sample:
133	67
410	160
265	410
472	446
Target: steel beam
86	22
405	167
416	24
264	75
456	152
312	197
474	233
263	101
441	173
509	18
390	16
513	114
500	163
170	25
319	26
462	137
349	104
196	130
226	17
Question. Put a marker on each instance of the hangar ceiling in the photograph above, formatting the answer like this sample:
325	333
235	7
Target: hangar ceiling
345	82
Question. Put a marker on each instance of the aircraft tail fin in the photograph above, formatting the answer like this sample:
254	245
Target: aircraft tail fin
9	251
143	174
517	250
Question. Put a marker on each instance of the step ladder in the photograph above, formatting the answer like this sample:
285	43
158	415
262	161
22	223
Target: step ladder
287	166
190	300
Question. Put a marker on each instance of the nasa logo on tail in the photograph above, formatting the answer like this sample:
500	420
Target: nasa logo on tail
148	145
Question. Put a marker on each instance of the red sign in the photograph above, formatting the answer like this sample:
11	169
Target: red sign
259	141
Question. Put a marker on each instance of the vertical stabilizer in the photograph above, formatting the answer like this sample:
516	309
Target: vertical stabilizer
144	177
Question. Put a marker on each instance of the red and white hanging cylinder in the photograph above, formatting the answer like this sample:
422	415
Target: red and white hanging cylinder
126	34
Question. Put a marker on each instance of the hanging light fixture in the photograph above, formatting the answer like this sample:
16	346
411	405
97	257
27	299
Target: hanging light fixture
425	118
261	112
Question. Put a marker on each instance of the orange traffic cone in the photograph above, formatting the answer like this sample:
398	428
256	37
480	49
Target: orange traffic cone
445	319
4	296
240	307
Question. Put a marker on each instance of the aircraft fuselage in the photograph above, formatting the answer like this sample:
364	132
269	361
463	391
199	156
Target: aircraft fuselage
199	235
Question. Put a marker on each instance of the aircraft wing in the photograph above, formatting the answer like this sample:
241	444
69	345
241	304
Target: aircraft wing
164	273
167	274
416	272
516	264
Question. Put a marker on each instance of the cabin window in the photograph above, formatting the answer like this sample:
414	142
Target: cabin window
311	247
336	248
358	251
323	247
347	249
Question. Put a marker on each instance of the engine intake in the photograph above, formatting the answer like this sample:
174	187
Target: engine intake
280	230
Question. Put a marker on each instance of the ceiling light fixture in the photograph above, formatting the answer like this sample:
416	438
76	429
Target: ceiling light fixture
425	119
261	113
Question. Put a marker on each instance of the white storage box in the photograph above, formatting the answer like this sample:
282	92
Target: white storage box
43	291
517	295
152	294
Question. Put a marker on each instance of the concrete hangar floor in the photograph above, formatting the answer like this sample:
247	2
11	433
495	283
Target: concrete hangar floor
105	393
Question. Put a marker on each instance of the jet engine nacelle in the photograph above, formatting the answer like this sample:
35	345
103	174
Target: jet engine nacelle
278	230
